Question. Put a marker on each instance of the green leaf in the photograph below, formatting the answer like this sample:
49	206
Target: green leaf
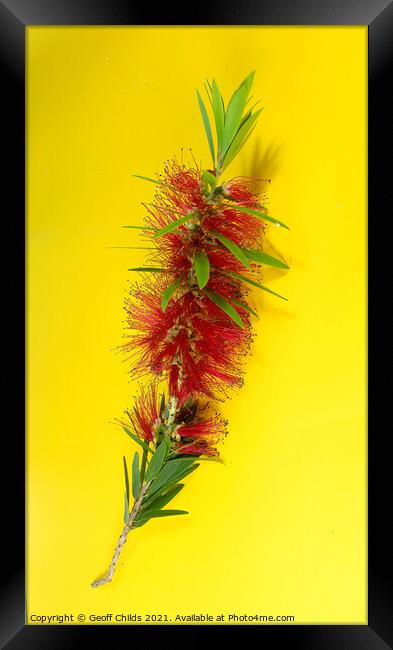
165	513
136	479
255	284
263	258
208	89
126	479
233	117
168	293
225	306
241	134
156	462
249	112
147	269
126	510
233	248
151	180
181	476
169	474
206	123
261	215
143	466
174	224
167	442
202	268
228	159
143	518
158	502
248	81
244	306
209	179
140	227
140	442
218	112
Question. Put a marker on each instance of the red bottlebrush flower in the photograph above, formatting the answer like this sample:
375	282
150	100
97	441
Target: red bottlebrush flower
145	417
180	193
187	423
198	436
199	429
241	191
184	193
244	229
195	449
197	344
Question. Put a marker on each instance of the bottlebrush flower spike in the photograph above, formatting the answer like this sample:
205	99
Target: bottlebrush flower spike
188	323
194	342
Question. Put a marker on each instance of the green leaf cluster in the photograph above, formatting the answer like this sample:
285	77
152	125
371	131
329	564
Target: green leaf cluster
233	124
163	477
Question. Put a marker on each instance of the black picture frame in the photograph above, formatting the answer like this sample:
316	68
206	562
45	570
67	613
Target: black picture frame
15	16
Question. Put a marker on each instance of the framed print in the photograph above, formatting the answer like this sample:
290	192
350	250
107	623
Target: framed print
196	203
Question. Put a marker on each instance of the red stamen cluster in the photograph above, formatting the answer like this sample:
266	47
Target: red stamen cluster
193	341
194	430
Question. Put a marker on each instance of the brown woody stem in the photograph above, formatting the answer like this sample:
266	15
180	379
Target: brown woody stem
122	539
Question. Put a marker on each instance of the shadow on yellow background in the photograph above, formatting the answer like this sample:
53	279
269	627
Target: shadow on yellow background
280	529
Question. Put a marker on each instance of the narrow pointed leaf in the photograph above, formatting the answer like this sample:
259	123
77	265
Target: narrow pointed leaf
206	123
263	258
158	502
174	224
246	85
233	117
233	248
147	269
234	113
156	462
136	479
140	227
140	442
208	89
169	474
229	158
168	293
143	466
235	145
185	462
248	81
168	445
165	513
179	477
151	180
225	306
255	284
261	215
202	268
249	112
141	520
126	509
218	112
126	479
244	306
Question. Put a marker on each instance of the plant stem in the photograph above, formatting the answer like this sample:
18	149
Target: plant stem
122	539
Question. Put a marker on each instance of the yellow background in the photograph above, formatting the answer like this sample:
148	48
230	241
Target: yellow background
281	527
